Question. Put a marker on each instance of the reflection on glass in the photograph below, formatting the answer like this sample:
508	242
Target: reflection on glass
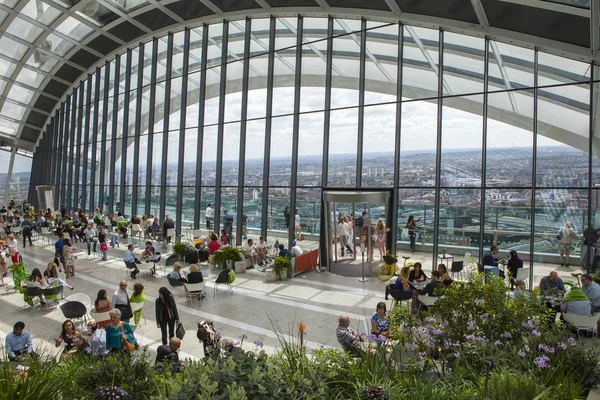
255	150
464	63
418	143
280	169
231	154
310	149
458	219
420	203
381	65
379	146
343	136
253	201
420	61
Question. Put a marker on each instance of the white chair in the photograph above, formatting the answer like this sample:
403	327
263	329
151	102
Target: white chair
469	266
523	274
171	236
138	306
101	317
196	234
427	301
136	231
582	323
82	298
47	233
16	230
195	289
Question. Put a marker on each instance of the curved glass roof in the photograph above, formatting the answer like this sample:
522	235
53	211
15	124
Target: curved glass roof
47	46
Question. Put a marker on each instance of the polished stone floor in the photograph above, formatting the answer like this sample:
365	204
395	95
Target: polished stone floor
316	299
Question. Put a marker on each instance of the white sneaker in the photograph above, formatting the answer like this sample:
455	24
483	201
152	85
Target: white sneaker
318	269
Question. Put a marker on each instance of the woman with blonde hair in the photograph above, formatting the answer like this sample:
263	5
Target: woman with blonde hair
566	237
403	284
380	233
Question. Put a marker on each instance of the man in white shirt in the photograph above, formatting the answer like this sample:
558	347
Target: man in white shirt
97	341
295	250
18	343
343	233
249	252
89	233
120	300
261	248
210	214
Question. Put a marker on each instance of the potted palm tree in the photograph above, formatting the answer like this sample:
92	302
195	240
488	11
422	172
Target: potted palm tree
283	267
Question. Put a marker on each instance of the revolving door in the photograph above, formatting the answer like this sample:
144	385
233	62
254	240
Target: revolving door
351	220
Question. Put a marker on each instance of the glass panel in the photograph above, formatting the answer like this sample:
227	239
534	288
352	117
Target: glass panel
58	46
562	141
30	77
7	68
314	29
207	195
420	203
24	30
379	134
231	154
279	199
12	110
381	65
12	49
280	169
464	63
233	96
461	141
285	32
310	149
148	49
420	59
74	29
175	104
215	34
211	105
195	60
209	156
346	71
187	211
260	36
418	143
20	94
308	203
257	93
253	200
157	160
314	68
343	136
191	113
255	150
229	206
555	70
510	67
40	11
283	82
190	153
235	44
458	222
161	66
97	13
173	155
509	139
177	60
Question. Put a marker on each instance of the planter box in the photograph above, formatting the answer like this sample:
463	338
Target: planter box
240	267
271	275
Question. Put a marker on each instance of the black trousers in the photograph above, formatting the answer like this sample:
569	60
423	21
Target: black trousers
27	236
163	330
412	237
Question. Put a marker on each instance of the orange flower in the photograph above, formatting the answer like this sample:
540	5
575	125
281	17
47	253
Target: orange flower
301	327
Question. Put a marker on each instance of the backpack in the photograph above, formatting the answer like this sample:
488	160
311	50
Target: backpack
230	276
206	332
359	221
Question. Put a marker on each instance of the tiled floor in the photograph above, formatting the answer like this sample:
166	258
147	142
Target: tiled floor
312	298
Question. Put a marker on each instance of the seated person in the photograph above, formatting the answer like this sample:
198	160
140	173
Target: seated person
379	321
576	303
261	248
444	276
130	258
551	284
347	337
195	276
434	287
489	257
403	285
249	251
214	244
520	288
149	253
417	274
36	280
18	343
283	252
97	340
101	305
514	263
592	290
295	250
168	353
157	232
177	274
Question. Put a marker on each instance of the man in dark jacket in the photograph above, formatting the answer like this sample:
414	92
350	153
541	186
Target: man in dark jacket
168	353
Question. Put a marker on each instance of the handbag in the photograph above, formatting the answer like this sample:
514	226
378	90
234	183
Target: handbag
559	235
180	331
126	343
103	247
404	233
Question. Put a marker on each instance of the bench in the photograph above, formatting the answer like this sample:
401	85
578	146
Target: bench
306	261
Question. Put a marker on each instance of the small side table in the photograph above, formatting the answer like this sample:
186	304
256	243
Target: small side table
446	256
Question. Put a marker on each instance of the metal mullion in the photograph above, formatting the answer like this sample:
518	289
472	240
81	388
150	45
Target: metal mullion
72	127
590	163
361	102
438	153
86	143
201	100
221	127
167	112
268	124
138	128
63	181
124	135
244	122
54	149
182	119
94	141
484	147
151	125
103	133
534	166
296	124
78	146
113	138
398	142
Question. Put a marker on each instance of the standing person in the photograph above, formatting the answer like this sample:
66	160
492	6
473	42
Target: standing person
210	214
69	256
244	225
297	226
18	343
228	225
590	238
380	233
120	301
166	313
13	251
565	236
137	296
286	216
342	233
27	227
118	330
102	235
411	225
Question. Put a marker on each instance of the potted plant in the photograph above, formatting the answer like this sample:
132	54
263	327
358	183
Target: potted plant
218	259
179	249
283	267
232	255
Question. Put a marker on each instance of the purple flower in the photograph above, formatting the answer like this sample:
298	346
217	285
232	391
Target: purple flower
522	353
562	345
259	342
457	354
411	346
484	317
535	333
498	342
244	336
300	333
423	354
471	325
470	337
529	324
572	341
541	361
506	335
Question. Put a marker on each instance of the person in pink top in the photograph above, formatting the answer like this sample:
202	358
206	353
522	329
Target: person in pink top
214	244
